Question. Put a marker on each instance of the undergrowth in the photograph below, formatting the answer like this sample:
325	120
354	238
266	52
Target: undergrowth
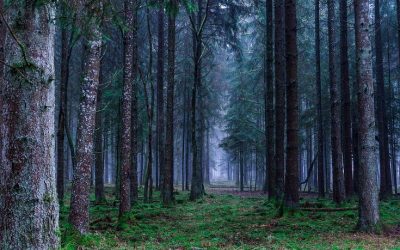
229	222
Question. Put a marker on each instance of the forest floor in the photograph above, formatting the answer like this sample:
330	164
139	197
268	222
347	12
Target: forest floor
226	219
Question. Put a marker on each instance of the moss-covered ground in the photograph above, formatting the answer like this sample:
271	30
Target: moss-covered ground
224	221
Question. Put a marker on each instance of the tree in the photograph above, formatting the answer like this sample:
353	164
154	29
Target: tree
126	154
197	22
291	197
321	188
346	104
28	196
168	188
280	78
79	214
160	93
98	147
368	186
269	105
386	180
338	177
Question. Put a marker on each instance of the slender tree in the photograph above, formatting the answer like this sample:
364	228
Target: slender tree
269	104
277	189
160	93
98	147
346	104
134	126
292	164
28	195
168	194
321	187
126	154
338	176
386	180
79	214
368	186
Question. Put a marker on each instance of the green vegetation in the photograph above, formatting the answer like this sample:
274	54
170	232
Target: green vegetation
229	222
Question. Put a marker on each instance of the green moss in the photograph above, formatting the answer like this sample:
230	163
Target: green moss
226	221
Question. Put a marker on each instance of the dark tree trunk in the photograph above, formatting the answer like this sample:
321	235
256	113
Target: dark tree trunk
126	139
160	95
338	176
98	148
386	182
270	175
62	115
134	126
368	186
79	214
346	104
28	195
292	169
168	194
197	189
280	79
320	152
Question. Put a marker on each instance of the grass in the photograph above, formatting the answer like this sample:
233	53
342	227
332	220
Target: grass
228	222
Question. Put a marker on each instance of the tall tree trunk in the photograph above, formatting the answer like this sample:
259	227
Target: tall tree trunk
168	194
386	182
98	147
197	189
126	154
392	114
321	187
292	169
62	116
270	175
338	176
368	193
79	214
28	195
280	79
160	93
134	126
346	104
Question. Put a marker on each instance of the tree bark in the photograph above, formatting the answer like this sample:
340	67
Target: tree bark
98	147
168	194
134	127
270	175
79	214
368	193
126	154
292	166
321	177
346	104
338	176
386	182
28	196
280	79
160	94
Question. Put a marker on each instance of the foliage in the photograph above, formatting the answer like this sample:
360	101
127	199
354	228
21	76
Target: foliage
228	222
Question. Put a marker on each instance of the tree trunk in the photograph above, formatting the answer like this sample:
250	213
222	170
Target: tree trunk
160	94
79	214
134	126
126	154
99	150
368	193
270	175
28	195
386	183
292	169
62	116
338	176
320	152
346	104
168	194
280	78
